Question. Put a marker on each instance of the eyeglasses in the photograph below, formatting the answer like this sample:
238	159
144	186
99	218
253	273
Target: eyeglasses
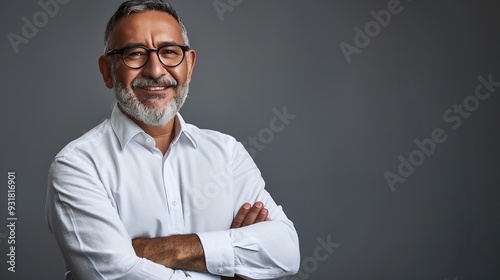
136	57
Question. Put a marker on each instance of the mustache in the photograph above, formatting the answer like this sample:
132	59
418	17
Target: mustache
167	82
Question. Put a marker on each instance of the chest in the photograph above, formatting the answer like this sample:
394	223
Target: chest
156	196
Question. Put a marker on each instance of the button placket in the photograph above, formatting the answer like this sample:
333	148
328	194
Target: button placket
172	190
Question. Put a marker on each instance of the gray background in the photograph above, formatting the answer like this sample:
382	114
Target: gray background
326	168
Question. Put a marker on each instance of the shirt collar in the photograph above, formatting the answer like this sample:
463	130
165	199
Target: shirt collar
181	128
126	129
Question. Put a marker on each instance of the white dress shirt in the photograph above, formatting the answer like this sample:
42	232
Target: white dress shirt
112	185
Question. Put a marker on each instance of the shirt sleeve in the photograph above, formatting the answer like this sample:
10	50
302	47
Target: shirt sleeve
267	250
88	229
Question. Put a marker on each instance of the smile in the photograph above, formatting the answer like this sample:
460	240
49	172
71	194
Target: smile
157	88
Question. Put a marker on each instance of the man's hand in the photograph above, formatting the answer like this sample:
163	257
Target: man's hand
248	215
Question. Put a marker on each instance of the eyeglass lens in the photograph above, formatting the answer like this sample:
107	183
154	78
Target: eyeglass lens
136	57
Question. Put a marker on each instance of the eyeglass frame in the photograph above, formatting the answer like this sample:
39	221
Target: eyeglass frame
120	51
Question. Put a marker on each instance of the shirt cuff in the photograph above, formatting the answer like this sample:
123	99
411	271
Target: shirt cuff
219	253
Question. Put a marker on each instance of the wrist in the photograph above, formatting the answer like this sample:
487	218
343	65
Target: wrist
190	257
183	252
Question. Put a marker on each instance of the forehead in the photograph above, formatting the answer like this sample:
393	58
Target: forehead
148	28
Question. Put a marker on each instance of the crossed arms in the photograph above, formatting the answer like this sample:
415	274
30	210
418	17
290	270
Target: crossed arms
96	244
185	252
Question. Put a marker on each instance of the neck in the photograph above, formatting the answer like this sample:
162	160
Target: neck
163	135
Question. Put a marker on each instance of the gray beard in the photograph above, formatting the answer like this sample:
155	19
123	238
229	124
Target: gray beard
129	103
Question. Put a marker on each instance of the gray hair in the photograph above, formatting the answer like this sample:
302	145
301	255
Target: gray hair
141	6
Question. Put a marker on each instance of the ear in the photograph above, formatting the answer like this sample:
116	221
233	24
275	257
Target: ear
190	59
105	68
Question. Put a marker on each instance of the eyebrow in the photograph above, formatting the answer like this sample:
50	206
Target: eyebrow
167	43
158	45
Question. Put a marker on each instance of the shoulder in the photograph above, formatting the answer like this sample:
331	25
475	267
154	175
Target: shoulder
208	137
90	143
217	144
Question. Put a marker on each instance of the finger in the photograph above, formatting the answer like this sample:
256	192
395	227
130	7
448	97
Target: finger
252	214
262	216
240	216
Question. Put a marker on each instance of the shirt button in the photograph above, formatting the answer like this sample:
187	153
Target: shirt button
175	202
220	270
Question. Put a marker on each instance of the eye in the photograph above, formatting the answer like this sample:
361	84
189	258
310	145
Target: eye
170	51
135	53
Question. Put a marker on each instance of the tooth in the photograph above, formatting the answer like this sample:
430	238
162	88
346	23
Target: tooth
155	88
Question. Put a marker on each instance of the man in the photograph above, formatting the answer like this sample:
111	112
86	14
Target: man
146	196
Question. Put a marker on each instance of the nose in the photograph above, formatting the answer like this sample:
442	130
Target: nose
154	68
